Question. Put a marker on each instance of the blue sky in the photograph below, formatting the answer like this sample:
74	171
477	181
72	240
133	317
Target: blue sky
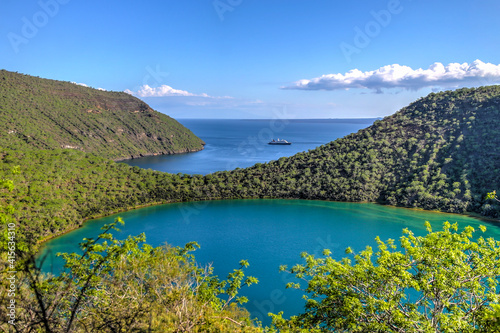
258	58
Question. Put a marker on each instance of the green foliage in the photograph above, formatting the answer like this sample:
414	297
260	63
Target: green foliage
47	114
439	153
423	156
123	286
491	322
492	196
442	282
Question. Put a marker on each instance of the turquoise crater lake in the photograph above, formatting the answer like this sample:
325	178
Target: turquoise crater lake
267	233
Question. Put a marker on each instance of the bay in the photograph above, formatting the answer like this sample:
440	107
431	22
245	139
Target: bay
267	233
240	143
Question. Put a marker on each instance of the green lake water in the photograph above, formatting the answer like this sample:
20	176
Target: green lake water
267	233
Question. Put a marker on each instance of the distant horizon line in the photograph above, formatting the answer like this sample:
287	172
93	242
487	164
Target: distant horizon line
358	118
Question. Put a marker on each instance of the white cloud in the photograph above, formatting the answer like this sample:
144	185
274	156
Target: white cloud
85	85
162	91
80	84
397	76
165	91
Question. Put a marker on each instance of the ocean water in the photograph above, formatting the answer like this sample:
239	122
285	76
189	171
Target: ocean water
237	143
267	233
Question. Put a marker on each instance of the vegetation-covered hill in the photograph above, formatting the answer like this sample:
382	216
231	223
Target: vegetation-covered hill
441	152
39	113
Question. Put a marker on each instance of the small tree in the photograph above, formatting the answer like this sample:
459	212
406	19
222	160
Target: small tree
442	282
121	286
492	196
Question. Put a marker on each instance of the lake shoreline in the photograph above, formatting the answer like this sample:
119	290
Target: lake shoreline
44	240
266	232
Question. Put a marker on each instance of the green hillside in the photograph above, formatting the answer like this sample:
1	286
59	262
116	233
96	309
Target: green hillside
38	113
441	153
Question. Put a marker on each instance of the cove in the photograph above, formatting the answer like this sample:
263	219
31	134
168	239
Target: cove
240	143
267	233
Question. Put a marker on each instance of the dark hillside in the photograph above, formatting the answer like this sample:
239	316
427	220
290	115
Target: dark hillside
38	113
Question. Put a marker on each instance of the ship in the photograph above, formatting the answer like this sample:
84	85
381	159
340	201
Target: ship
279	142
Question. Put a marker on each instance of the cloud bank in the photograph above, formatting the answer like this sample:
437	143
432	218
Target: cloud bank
165	91
397	76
